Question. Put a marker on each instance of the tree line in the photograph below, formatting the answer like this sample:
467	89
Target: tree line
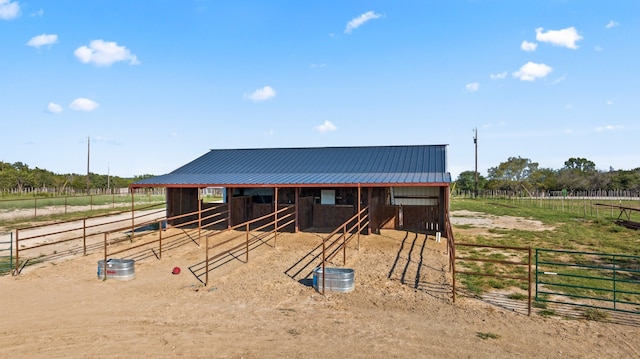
19	177
522	175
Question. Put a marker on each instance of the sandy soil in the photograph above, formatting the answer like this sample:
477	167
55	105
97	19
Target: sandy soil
401	307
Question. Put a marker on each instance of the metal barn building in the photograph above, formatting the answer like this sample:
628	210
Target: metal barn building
404	187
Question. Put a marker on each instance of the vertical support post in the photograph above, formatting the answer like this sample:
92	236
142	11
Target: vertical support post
529	285
324	258
84	236
247	243
199	216
359	213
297	208
275	219
371	211
230	206
452	262
132	212
17	252
344	244
206	261
35	207
160	238
104	269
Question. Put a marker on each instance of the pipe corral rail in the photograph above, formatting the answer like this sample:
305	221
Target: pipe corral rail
346	231
87	231
245	228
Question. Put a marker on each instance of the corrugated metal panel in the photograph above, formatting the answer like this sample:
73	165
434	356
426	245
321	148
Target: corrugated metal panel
307	166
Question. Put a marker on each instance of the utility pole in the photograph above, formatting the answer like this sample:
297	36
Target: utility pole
88	156
475	181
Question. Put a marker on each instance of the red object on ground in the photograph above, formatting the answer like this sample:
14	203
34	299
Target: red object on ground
176	270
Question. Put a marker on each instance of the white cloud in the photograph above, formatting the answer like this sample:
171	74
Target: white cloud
104	53
54	107
611	24
528	46
598	48
262	94
327	126
360	20
568	106
42	40
565	37
83	104
472	87
9	9
609	102
315	66
532	71
499	76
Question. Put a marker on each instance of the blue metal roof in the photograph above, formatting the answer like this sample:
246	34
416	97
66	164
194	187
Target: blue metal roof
379	165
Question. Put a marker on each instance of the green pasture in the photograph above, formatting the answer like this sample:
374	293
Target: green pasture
581	226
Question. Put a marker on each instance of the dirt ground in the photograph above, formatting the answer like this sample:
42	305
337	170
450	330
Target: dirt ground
266	308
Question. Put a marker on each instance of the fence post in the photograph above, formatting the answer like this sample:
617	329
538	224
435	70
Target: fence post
17	252
614	283
529	285
247	242
84	236
206	261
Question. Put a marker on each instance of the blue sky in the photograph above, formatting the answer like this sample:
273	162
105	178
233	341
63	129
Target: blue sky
155	84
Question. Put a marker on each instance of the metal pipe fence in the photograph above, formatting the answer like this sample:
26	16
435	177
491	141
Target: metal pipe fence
587	279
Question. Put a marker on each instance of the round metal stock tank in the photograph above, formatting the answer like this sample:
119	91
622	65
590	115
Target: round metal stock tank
335	279
120	269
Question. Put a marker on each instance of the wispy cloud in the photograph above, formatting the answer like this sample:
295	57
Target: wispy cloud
327	126
472	87
559	79
41	40
262	94
360	20
609	102
528	46
9	9
609	128
39	13
598	48
317	66
565	37
54	108
532	71
83	104
104	53
499	76
611	24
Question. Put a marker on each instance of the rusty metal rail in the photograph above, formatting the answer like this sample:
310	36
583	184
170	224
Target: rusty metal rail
246	227
88	230
346	233
528	263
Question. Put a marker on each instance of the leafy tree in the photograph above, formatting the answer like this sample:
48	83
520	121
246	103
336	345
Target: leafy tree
513	175
466	181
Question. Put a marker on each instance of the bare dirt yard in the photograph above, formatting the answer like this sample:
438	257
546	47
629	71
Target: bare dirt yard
266	308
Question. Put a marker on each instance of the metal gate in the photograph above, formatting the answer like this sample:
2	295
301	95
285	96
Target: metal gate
6	253
587	279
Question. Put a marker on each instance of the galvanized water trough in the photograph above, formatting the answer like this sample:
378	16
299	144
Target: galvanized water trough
335	279
120	269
